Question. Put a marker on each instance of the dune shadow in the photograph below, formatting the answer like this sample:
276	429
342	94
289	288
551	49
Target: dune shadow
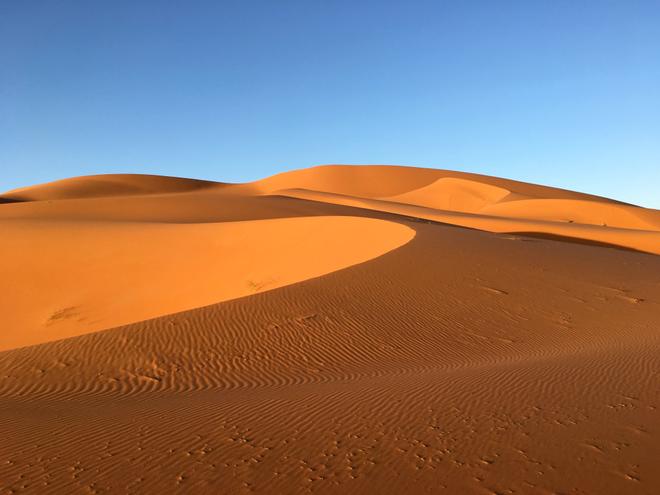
576	240
325	208
10	200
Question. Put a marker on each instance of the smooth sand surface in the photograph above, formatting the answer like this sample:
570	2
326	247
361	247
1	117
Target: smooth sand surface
328	330
98	275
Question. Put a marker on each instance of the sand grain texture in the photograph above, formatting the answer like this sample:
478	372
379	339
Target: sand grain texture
329	330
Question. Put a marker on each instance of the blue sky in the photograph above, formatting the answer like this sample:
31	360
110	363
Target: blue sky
562	93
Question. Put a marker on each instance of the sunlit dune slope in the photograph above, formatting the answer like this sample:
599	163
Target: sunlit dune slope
454	194
61	279
492	204
94	186
384	181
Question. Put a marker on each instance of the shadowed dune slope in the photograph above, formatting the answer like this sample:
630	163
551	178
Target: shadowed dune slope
364	343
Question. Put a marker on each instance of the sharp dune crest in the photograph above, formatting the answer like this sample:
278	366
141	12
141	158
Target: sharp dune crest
103	275
453	194
327	330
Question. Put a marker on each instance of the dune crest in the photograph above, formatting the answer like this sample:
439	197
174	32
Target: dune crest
95	276
492	204
96	186
453	194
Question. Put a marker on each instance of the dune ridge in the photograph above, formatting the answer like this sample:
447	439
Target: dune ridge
329	330
499	205
108	185
103	275
491	204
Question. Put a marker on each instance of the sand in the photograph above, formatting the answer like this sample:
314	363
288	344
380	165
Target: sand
99	275
340	329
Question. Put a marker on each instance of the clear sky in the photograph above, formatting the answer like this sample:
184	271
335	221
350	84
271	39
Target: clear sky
564	93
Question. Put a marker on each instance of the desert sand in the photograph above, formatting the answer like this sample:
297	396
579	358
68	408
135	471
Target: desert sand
338	329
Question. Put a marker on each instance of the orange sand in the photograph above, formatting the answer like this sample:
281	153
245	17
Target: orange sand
366	343
98	275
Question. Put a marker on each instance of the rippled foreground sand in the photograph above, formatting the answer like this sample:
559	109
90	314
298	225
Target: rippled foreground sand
339	329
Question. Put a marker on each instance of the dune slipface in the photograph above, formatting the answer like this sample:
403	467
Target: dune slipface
340	329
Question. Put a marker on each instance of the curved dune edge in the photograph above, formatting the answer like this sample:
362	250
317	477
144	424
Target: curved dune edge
469	200
386	181
476	201
96	275
453	194
640	240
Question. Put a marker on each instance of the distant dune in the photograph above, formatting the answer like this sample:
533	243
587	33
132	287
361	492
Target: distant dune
338	329
98	186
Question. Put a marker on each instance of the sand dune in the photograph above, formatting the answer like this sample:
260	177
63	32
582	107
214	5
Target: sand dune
379	181
95	275
106	186
579	211
495	205
327	330
453	194
642	240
